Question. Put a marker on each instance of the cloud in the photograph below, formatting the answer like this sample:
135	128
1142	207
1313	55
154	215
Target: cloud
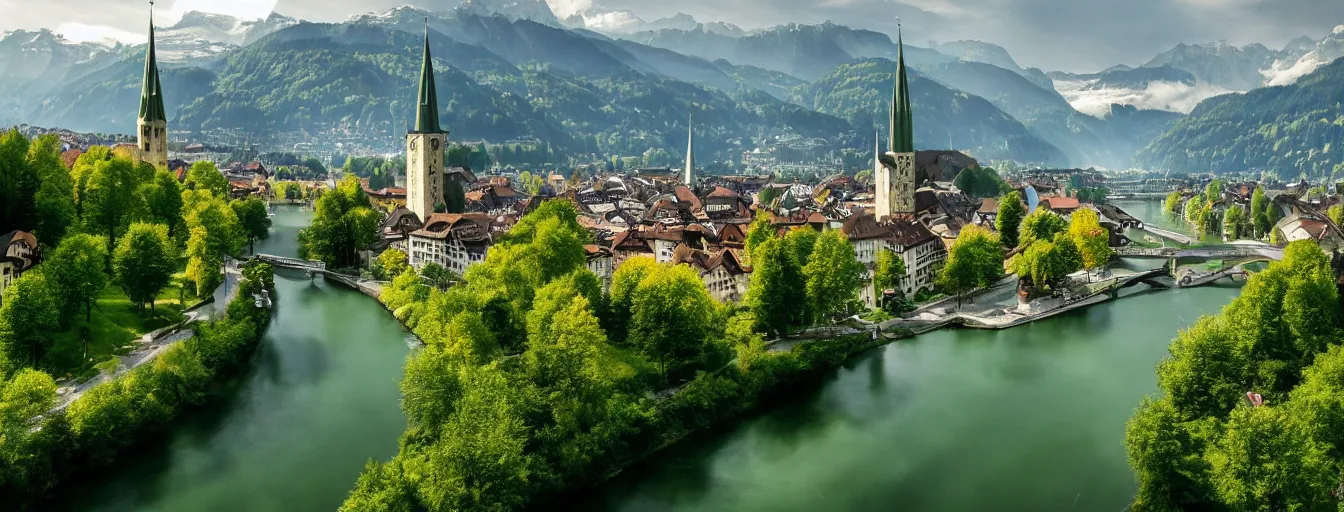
1158	95
1073	35
80	32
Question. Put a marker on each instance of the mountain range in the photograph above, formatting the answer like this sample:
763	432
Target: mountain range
513	70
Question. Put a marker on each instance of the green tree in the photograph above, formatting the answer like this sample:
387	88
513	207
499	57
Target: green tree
1046	262
803	240
1266	461
1207	372
24	396
1165	458
392	263
1194	207
430	386
1260	213
621	295
344	223
19	183
203	175
253	218
672	318
759	231
1336	214
479	461
163	199
776	279
1009	218
203	265
143	262
833	275
110	201
29	315
180	374
1235	221
1091	239
224	233
1319	401
1173	202
888	273
438	276
975	260
568	364
76	270
1042	224
54	201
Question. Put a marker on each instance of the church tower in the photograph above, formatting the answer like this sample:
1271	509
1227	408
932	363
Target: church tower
896	175
425	146
151	127
690	153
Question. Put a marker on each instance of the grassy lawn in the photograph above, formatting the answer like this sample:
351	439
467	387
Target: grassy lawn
111	328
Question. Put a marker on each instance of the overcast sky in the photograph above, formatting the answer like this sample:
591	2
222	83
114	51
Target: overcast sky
1073	35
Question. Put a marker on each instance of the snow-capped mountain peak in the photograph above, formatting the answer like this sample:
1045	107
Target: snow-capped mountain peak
1288	68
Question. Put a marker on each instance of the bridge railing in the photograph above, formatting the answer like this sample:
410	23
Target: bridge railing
292	262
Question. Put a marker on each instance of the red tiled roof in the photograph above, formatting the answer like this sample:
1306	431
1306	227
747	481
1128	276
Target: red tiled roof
69	156
1061	203
722	192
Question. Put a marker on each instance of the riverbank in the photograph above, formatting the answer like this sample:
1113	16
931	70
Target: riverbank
1024	419
102	421
295	425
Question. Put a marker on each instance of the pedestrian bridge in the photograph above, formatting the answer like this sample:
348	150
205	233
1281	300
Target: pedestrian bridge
295	263
1215	252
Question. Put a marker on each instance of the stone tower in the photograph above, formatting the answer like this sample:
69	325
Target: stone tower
151	127
690	153
896	175
425	146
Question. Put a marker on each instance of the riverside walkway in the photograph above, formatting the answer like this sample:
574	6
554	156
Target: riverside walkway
1003	314
1169	235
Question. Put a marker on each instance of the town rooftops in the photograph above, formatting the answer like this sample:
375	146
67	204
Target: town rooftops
901	232
467	227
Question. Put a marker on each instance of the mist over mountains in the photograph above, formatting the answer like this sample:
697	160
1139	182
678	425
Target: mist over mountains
606	82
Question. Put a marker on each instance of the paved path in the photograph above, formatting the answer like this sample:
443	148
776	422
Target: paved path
1170	235
149	346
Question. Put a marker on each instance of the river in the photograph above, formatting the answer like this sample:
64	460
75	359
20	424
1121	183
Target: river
319	399
1030	418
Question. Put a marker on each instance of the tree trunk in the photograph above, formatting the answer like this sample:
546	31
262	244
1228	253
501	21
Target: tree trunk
88	310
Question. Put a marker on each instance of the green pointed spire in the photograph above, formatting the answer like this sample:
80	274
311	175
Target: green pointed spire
902	136
427	115
151	92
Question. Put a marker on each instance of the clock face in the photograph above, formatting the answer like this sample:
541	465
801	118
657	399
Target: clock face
434	144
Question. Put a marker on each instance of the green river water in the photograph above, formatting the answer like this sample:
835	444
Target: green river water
1030	419
320	399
